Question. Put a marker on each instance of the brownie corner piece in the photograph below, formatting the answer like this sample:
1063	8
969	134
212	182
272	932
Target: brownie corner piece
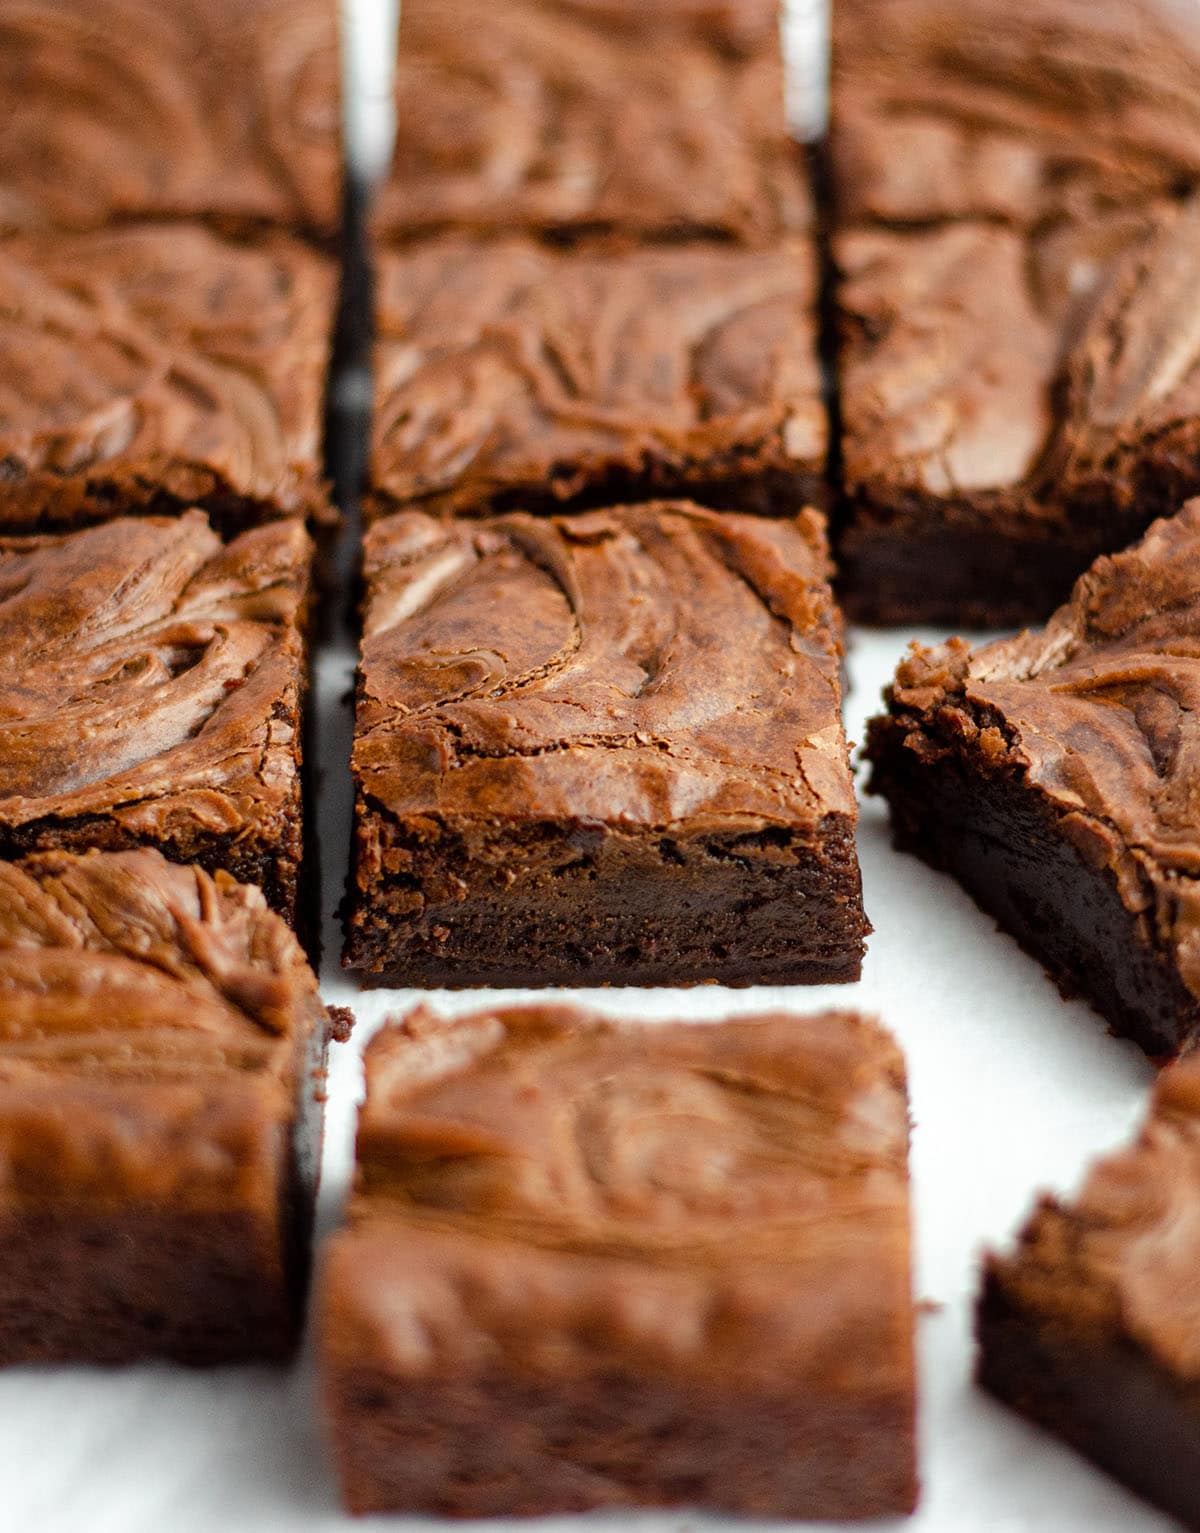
1052	774
1087	1327
156	695
602	748
516	375
162	1050
700	1295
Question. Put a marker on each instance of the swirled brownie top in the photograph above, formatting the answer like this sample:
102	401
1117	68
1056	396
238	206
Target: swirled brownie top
153	1026
639	666
224	110
768	1140
512	374
154	367
1012	112
545	115
1037	372
151	691
1100	713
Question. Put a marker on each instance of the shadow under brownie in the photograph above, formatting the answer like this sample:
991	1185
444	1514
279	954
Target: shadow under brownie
221	110
1089	1327
602	749
561	118
597	1264
148	368
162	1050
513	375
154	693
1015	240
1055	775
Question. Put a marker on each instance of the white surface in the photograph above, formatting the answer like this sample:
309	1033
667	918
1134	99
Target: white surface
1012	1090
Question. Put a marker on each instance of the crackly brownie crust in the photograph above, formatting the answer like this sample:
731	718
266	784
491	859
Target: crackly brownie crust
148	368
545	116
162	1052
604	748
154	695
512	375
698	1293
1088	1327
1015	237
1052	774
225	110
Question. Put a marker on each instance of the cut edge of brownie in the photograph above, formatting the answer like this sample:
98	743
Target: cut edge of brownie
977	817
1101	1395
565	919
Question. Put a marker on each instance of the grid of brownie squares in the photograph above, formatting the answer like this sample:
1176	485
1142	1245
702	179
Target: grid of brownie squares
596	1264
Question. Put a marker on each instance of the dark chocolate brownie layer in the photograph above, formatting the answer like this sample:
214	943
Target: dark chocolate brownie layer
603	748
544	116
1055	775
1015	240
225	110
162	1052
591	1264
153	694
509	374
149	368
1090	1327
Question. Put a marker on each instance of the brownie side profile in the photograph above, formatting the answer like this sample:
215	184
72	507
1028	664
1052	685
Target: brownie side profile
513	375
1089	1327
602	748
1014	239
545	117
162	1050
147	369
1055	776
596	1264
154	693
223	110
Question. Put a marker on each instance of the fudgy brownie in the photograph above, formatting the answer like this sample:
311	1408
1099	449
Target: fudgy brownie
1015	245
1090	1328
162	1053
149	367
225	110
153	694
591	1264
545	116
602	748
1055	776
510	374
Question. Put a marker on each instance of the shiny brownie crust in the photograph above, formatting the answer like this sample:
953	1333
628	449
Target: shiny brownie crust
602	748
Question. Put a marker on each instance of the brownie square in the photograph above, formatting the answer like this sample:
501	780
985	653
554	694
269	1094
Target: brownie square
225	110
153	694
602	748
162	1053
510	374
1054	775
150	368
590	1264
565	117
1015	236
949	109
1089	1327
